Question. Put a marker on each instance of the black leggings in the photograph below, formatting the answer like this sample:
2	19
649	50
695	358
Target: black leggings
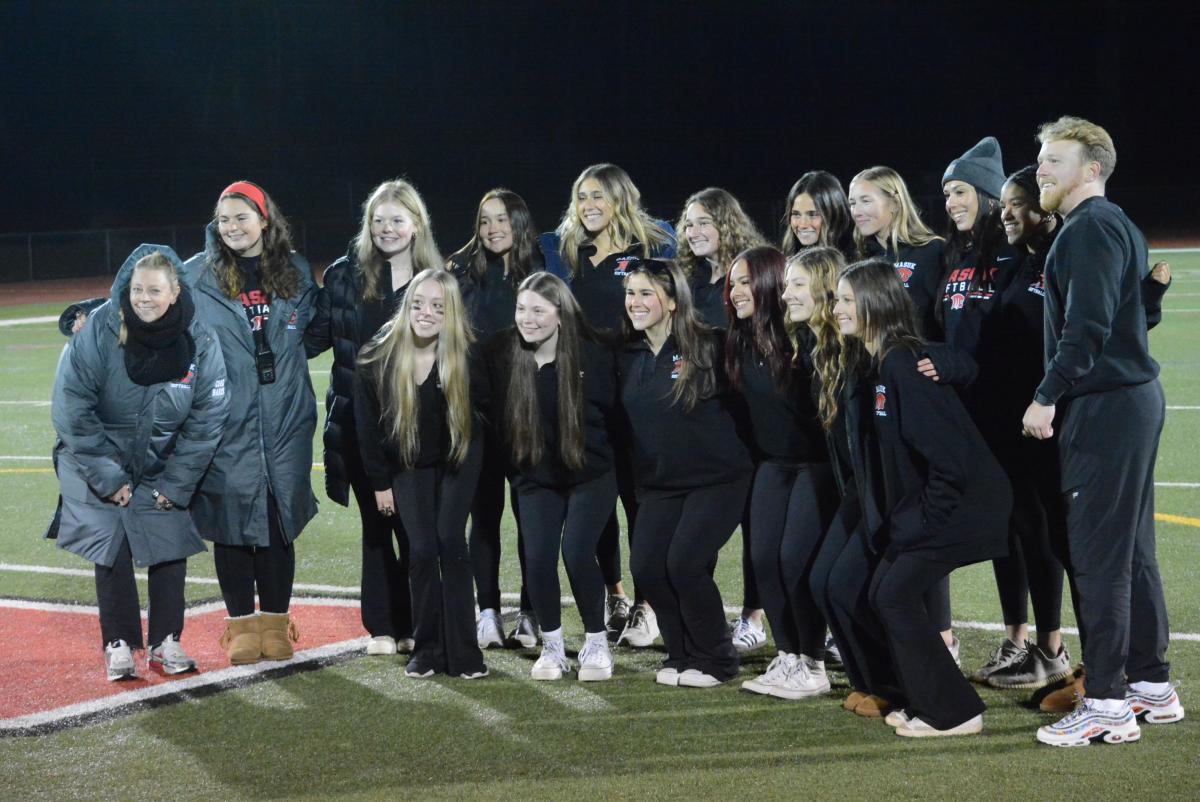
791	506
433	504
270	569
573	517
1031	569
677	541
120	608
935	689
608	550
487	512
386	601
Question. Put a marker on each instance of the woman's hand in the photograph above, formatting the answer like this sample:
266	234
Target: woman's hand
927	369
384	502
162	502
1161	273
121	497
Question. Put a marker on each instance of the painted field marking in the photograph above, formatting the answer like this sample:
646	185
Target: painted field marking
195	580
569	693
1172	409
25	403
25	321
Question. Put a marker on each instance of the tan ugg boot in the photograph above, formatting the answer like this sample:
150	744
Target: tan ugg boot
278	634
1064	695
241	640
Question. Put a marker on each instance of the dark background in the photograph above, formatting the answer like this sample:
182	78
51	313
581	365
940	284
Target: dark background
132	115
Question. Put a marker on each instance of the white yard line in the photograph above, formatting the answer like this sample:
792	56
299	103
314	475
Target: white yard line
25	321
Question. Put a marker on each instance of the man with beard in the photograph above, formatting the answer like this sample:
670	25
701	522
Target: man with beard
1099	372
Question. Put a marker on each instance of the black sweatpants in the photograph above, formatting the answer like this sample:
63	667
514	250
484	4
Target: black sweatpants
791	506
120	608
751	597
677	540
934	688
608	550
271	570
570	518
853	619
1031	570
487	512
1108	443
433	504
386	601
836	539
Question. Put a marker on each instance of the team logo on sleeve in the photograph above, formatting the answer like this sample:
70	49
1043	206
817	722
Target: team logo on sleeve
1039	287
905	271
186	381
676	366
881	400
291	323
624	265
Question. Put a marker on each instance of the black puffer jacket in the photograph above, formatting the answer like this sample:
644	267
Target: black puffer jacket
345	322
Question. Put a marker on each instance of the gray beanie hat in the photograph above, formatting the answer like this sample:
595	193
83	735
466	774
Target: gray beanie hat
981	167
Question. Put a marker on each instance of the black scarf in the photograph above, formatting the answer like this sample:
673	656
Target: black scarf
162	350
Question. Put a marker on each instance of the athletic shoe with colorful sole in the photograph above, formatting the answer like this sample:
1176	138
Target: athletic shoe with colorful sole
1087	725
1155	708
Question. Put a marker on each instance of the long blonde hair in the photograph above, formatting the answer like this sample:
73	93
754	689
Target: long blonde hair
907	226
424	246
390	358
630	223
822	264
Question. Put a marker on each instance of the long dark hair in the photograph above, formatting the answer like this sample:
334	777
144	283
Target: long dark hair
985	237
830	199
697	378
279	277
765	331
522	416
886	313
520	256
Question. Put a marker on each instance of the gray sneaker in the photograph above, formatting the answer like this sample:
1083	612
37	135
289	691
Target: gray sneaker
1036	670
618	615
1006	654
170	657
118	660
525	631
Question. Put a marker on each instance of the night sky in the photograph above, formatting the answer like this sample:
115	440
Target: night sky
130	114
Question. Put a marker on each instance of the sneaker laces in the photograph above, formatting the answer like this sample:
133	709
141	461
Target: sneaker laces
781	667
590	651
556	651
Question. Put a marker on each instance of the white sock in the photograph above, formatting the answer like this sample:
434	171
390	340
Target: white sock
1152	688
1108	705
597	637
553	634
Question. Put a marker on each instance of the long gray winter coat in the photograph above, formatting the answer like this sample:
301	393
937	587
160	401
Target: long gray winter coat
114	432
267	447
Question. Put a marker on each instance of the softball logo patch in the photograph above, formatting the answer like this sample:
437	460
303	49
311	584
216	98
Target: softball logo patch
881	400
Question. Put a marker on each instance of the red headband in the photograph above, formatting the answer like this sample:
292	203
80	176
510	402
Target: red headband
250	191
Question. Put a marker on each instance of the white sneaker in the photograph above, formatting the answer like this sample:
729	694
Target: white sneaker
748	636
1088	724
915	728
695	678
1162	707
118	660
595	660
667	676
776	673
525	631
808	678
170	657
896	718
553	662
642	629
487	629
381	645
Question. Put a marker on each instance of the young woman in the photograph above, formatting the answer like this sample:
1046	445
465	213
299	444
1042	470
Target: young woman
416	400
362	291
713	229
817	214
125	487
604	234
887	224
691	469
934	497
555	385
793	496
499	256
258	296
